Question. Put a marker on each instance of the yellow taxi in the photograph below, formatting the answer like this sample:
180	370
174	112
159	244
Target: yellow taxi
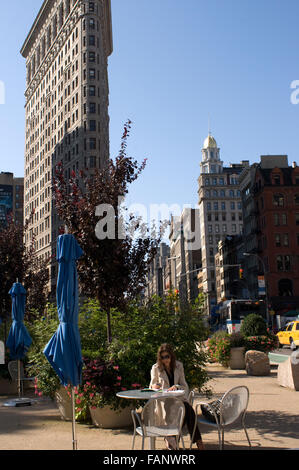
289	334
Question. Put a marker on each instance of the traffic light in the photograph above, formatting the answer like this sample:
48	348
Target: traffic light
241	273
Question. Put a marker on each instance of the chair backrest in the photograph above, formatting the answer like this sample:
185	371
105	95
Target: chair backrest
233	404
13	370
168	412
191	397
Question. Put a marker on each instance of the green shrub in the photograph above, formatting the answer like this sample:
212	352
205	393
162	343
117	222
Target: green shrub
219	347
41	330
237	340
264	343
137	335
253	325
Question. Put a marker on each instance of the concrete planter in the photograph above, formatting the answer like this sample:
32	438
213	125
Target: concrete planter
237	358
64	404
110	419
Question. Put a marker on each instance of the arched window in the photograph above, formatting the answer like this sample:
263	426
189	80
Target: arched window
207	181
278	200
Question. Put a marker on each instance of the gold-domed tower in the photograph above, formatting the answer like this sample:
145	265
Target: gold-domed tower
211	162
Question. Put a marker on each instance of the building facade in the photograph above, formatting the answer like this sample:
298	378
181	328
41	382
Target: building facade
11	199
220	211
185	253
66	107
250	229
156	276
276	199
230	282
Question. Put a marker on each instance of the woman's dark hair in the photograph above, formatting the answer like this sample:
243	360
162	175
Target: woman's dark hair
166	348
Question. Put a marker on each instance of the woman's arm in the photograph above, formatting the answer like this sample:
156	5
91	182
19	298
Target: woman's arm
182	384
155	383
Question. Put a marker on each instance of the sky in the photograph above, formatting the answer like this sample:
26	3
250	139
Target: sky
175	66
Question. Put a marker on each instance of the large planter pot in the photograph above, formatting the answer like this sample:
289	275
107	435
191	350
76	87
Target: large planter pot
109	419
64	404
237	358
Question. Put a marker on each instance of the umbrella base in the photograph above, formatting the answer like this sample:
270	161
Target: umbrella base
19	402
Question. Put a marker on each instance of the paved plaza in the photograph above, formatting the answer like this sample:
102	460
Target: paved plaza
272	421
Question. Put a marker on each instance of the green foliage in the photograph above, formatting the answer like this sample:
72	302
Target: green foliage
253	325
237	340
41	331
219	347
92	326
137	336
264	343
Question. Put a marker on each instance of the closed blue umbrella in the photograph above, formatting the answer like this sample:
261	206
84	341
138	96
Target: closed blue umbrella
64	348
18	340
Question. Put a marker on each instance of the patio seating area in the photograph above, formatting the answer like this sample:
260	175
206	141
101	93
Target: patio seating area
271	421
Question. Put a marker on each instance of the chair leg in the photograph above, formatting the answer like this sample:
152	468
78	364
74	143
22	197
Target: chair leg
183	443
249	443
142	444
133	442
222	440
219	438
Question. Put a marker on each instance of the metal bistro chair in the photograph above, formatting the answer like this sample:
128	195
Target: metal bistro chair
160	417
185	431
232	408
13	371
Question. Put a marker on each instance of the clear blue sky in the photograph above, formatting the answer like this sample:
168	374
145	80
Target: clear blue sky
175	63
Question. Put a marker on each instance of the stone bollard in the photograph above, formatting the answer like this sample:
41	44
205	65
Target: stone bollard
257	363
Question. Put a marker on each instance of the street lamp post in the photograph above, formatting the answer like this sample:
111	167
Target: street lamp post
266	290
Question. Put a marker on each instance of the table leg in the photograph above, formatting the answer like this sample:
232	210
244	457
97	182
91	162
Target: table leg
152	443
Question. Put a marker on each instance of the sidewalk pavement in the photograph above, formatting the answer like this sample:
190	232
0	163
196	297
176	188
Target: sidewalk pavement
272	421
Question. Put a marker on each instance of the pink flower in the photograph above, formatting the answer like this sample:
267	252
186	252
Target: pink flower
136	385
91	395
78	401
93	407
79	409
115	367
123	388
40	394
118	378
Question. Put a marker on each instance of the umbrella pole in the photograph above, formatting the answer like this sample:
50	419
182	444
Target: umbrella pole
19	378
75	446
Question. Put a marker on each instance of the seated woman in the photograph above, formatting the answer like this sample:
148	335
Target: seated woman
168	373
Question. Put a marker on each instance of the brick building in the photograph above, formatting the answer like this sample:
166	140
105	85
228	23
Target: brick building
276	200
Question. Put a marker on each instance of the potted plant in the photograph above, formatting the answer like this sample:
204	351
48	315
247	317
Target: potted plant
237	351
219	348
97	395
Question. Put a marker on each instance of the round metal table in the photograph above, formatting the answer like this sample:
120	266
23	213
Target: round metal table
139	395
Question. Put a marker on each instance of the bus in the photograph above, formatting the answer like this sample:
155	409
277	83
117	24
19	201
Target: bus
232	312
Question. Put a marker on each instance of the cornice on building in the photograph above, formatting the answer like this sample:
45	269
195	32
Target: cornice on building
42	16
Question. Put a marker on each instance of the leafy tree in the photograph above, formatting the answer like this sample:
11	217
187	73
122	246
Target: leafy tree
138	333
20	262
112	270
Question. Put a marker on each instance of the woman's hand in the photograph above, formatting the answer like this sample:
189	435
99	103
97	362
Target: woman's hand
156	386
172	389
